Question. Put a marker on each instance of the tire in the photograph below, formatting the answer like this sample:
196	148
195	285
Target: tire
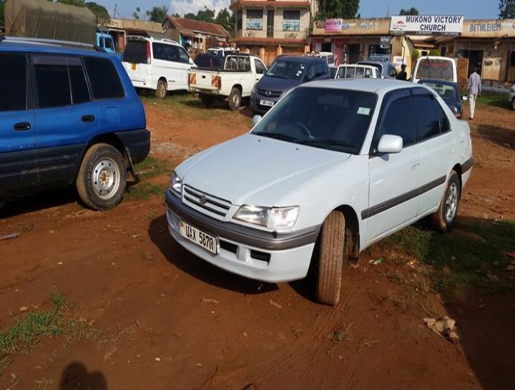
207	100
161	89
102	177
330	267
235	99
444	218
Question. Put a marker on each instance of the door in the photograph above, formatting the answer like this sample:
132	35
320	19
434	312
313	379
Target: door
18	154
270	24
393	200
354	54
65	116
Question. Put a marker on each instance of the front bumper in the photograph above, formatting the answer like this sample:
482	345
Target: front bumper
248	252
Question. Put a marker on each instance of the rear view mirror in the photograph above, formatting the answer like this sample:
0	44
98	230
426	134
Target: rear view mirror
390	144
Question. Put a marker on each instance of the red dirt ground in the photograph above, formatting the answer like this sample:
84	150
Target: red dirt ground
167	320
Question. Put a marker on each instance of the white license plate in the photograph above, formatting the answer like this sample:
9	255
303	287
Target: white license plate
267	103
198	237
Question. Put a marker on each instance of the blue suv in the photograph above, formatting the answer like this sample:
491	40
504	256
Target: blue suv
68	116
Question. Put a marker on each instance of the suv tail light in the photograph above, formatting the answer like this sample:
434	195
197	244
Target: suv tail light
148	52
219	82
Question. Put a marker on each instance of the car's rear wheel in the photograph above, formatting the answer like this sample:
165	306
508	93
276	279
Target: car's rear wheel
444	218
102	177
235	99
161	89
330	267
207	100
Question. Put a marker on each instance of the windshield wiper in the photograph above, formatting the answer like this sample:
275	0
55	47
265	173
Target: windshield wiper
327	142
282	137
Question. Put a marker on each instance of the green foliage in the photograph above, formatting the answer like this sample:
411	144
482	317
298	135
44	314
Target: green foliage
435	52
414	55
506	9
100	12
136	14
411	11
347	9
225	18
157	14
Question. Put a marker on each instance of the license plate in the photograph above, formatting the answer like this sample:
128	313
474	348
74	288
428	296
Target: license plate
267	103
133	66
198	237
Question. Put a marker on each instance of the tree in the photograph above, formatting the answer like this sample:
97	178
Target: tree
206	15
100	12
347	9
411	11
157	14
225	19
507	9
136	13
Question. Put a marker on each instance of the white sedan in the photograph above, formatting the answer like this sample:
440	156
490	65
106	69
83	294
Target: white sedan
339	163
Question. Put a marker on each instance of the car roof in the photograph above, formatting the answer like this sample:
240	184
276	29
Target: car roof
40	47
378	86
299	58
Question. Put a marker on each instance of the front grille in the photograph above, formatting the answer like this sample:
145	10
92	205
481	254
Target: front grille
211	203
273	94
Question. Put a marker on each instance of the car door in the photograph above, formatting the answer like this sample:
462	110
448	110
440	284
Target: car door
66	118
393	201
437	151
175	64
18	154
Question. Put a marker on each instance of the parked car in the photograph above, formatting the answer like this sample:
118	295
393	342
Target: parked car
494	87
355	71
333	167
511	97
285	73
231	79
386	69
449	92
67	117
222	51
435	67
157	64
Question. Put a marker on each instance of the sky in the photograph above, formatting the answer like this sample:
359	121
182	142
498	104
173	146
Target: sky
471	9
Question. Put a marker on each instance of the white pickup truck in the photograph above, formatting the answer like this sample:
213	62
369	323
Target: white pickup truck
231	77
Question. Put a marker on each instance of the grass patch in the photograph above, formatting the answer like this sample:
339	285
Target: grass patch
27	331
188	106
340	336
493	100
459	261
144	190
152	167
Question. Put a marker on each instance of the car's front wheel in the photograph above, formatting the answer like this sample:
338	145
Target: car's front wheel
444	218
235	99
330	267
102	177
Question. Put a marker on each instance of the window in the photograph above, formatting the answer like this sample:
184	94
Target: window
430	117
260	68
254	19
13	79
398	120
239	21
183	55
319	69
135	52
291	20
52	82
80	92
359	72
104	79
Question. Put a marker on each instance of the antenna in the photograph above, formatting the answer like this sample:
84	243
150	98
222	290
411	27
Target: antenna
114	13
387	10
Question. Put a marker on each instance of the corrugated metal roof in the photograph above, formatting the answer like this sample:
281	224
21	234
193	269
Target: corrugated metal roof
199	27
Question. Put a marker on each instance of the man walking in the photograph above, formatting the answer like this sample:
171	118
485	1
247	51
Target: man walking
474	90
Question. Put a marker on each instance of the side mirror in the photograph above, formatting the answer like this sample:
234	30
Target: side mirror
191	61
390	144
256	119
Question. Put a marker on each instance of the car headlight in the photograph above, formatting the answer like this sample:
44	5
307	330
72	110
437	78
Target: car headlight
175	184
271	217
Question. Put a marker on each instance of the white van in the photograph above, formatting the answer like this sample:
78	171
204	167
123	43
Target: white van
354	71
435	67
158	64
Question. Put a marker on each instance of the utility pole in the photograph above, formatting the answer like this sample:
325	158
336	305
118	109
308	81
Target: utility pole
114	13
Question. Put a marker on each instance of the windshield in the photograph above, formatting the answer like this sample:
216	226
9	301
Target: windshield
434	69
447	92
285	69
334	119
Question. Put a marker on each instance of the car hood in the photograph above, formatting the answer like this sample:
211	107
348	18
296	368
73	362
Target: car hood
276	83
256	170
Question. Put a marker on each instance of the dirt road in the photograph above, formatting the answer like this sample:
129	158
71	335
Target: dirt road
163	319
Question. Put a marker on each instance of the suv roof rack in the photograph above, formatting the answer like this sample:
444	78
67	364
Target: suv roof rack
51	42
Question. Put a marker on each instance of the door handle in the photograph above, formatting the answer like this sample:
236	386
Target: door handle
415	165
22	126
88	118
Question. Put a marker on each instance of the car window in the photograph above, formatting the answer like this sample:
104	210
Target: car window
104	78
368	72
319	69
359	72
135	52
398	120
391	71
13	79
430	117
260	68
446	91
79	86
430	68
285	69
52	82
183	55
334	119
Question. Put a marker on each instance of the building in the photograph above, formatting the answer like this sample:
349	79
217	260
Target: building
196	35
270	27
121	28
